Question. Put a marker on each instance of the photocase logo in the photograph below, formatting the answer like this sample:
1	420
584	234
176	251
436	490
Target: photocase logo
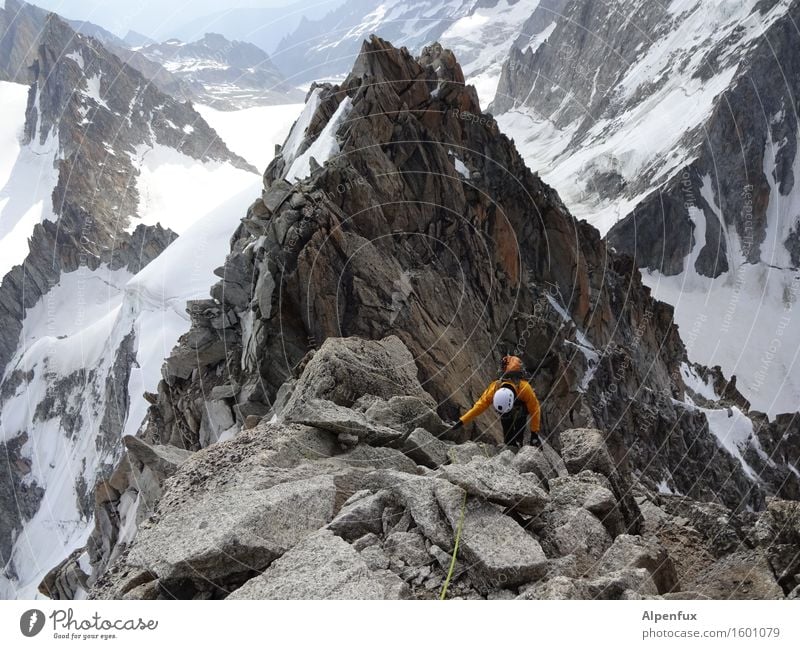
31	622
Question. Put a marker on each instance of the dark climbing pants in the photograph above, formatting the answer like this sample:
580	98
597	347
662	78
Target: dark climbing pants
515	425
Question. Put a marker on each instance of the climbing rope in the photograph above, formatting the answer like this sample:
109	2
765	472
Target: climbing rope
443	594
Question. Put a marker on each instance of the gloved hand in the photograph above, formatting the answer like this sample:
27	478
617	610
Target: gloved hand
536	439
454	427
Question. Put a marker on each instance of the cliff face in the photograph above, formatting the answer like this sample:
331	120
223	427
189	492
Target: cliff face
663	110
64	377
742	172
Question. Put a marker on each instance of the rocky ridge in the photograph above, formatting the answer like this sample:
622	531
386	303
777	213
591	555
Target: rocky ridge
490	259
371	510
348	248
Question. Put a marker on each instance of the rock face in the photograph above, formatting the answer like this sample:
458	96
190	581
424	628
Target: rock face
344	371
21	24
223	74
285	511
19	500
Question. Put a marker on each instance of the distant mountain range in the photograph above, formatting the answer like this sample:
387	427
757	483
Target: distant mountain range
265	27
223	74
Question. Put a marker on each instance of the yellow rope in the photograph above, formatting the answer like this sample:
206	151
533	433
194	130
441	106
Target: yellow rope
443	594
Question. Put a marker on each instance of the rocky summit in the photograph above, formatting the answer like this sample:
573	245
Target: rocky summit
299	443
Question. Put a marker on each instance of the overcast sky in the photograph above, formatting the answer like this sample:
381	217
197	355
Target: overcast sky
154	18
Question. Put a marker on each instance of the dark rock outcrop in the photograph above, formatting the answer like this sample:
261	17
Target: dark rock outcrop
19	500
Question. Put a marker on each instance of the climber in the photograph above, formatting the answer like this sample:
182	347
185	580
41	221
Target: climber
514	399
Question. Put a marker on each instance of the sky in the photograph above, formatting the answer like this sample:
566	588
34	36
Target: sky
160	19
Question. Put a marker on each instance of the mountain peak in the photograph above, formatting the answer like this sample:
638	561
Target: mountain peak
417	80
214	39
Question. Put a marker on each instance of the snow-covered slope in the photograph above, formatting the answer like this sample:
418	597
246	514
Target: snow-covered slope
68	350
74	346
252	132
744	320
175	188
28	177
13	99
671	127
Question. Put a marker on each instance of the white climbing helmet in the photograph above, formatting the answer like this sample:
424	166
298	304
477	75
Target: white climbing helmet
504	400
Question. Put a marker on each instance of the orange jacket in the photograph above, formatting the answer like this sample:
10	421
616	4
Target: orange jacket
525	394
